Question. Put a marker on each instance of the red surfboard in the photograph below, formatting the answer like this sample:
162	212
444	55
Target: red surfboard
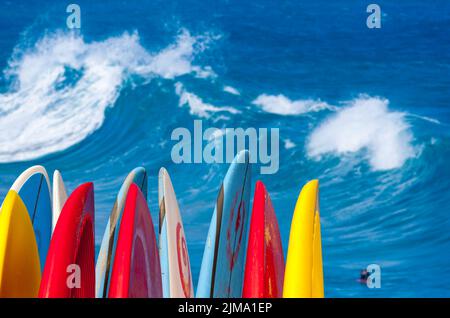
264	266
136	271
69	270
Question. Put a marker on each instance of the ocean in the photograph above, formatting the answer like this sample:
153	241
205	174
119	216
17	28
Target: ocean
365	111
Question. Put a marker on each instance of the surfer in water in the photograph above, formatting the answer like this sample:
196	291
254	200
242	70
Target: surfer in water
363	276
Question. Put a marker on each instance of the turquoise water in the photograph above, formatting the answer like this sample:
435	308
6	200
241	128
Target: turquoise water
365	111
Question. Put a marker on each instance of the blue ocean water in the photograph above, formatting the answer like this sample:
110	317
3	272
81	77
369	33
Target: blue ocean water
363	110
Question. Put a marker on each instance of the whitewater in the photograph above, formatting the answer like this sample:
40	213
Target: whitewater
364	112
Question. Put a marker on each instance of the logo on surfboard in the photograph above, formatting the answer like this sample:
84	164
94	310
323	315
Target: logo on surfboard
183	262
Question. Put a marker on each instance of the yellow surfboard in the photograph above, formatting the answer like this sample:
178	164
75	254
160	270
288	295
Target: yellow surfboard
20	272
303	276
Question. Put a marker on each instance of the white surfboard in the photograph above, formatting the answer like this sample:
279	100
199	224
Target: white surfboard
59	196
174	256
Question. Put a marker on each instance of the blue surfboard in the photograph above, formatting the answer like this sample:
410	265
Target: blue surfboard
105	258
222	269
33	187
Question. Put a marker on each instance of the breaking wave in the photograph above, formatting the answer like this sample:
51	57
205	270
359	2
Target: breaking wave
61	86
366	124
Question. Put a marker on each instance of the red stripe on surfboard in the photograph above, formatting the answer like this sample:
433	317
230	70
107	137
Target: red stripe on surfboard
136	270
184	266
72	244
264	266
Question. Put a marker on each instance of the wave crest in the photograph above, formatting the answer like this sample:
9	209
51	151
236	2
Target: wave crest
281	105
196	105
365	124
61	87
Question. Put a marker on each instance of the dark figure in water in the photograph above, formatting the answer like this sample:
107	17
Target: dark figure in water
363	276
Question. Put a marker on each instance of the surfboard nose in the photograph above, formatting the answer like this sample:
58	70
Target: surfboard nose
243	156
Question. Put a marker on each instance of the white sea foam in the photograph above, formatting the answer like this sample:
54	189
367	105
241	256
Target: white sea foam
289	144
365	124
61	87
425	118
176	60
231	90
281	105
196	105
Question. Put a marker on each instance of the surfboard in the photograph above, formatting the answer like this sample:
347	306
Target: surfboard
264	266
33	187
136	271
20	272
109	242
222	269
304	273
69	271
59	196
173	252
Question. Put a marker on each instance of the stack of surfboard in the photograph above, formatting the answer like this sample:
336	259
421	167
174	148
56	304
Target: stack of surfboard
47	242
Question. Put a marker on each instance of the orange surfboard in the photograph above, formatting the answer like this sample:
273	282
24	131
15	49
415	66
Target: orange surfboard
264	267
